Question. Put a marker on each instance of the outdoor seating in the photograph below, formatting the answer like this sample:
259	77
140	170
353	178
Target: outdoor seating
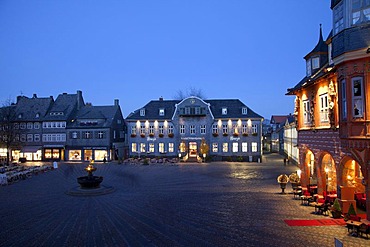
364	229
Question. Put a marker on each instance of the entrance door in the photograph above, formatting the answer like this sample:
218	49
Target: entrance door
192	149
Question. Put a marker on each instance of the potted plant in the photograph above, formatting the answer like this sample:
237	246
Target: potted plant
351	211
133	135
160	135
215	134
235	134
283	179
142	135
170	135
151	134
245	134
224	134
294	180
336	210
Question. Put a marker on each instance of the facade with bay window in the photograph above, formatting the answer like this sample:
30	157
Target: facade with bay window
179	128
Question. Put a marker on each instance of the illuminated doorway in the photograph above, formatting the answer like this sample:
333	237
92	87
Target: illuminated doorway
310	168
192	149
330	173
352	176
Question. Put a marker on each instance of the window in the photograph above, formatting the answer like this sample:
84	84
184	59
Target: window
192	129
338	18
16	126
133	147
142	112
161	147
224	129
29	125
142	129
161	112
182	129
74	135
244	129
37	138
315	62
254	129
88	135
215	147
224	111
171	147
254	147
182	147
151	147
160	129
29	138
36	125
133	130
306	112
244	147
225	147
37	115
324	108
142	148
23	137
23	126
244	110
151	129
357	93
170	129
235	147
203	129
100	135
344	99
214	129
308	67
360	11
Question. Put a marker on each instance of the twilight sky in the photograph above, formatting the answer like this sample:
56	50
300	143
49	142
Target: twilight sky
139	50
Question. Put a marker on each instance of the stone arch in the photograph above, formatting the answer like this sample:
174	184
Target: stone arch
350	174
308	167
327	174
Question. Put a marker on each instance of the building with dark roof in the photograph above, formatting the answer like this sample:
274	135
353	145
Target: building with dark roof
182	128
96	132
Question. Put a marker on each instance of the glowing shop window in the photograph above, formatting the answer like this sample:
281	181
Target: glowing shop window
74	154
100	154
225	147
235	147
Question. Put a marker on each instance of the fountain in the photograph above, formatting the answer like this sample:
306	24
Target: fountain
90	181
90	184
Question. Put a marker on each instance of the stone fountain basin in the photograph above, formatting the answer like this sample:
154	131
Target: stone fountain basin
89	182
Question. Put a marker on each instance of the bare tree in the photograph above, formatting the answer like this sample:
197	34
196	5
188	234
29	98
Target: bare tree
9	130
192	91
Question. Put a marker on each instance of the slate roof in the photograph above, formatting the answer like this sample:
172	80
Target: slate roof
234	108
30	107
88	112
278	119
66	103
321	46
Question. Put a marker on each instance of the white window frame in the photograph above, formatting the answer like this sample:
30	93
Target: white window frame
244	110
254	147
357	97
161	112
142	112
203	129
151	148
235	147
324	108
133	147
244	147
215	147
344	99
192	130
225	147
315	62
306	112
224	111
170	129
171	147
182	129
214	129
161	147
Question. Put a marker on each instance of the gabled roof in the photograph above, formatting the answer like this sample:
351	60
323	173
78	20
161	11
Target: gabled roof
31	109
278	119
66	104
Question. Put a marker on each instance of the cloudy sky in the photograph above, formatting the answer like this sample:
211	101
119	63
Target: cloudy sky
140	50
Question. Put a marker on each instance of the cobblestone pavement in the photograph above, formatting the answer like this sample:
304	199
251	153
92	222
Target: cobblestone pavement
214	204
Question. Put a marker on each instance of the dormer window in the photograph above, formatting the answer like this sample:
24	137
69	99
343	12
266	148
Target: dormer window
142	112
315	62
161	112
20	116
224	111
37	115
308	67
244	110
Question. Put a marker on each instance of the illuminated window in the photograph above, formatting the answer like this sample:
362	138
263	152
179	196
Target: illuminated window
142	148
215	147
244	147
182	147
133	147
171	147
235	147
254	147
225	147
161	147
151	147
324	108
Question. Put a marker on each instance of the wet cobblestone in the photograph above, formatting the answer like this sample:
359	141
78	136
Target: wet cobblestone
215	204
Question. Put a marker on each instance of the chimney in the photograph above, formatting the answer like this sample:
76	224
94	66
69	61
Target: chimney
79	99
116	102
34	96
161	98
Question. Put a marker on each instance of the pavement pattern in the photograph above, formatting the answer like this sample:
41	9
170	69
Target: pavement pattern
207	204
